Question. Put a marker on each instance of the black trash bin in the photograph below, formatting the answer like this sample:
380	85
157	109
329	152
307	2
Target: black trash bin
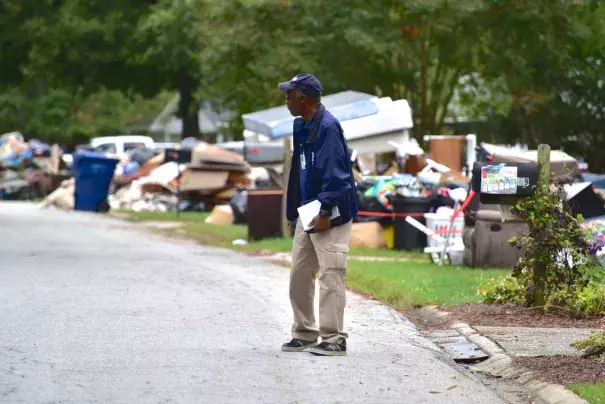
264	214
407	237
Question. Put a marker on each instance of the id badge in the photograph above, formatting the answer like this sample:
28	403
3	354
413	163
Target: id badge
303	162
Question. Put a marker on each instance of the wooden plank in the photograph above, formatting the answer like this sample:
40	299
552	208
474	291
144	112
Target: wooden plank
286	175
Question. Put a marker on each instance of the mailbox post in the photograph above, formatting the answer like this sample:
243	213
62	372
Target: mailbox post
539	270
504	184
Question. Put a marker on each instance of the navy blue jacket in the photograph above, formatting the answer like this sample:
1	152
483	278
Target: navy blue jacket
330	173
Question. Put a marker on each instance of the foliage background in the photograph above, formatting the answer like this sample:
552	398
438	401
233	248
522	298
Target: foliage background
509	70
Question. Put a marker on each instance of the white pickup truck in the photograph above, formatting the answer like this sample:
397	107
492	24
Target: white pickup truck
120	145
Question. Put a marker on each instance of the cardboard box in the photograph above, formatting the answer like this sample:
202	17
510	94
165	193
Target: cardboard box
221	215
367	235
204	181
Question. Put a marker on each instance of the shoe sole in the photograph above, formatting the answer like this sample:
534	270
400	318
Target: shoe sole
300	349
321	352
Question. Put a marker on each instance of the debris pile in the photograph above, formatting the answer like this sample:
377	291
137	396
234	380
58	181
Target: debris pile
192	176
28	170
204	176
408	199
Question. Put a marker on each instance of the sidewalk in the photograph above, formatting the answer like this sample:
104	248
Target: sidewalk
527	355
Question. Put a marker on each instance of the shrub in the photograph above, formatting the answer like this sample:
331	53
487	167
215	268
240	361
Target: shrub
577	301
591	299
592	346
574	279
505	290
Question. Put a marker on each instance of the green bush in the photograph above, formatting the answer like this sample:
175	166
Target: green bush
592	346
577	301
591	299
505	290
563	300
587	298
574	282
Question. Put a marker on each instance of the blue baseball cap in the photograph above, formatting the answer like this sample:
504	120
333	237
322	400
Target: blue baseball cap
306	83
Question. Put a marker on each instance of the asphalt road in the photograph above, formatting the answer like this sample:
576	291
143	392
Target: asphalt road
94	310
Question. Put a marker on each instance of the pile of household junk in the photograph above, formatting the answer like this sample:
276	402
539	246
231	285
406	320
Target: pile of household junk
191	176
28	170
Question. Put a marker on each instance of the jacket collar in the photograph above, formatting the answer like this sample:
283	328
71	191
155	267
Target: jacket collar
318	114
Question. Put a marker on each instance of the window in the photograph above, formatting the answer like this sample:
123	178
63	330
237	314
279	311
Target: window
107	148
132	145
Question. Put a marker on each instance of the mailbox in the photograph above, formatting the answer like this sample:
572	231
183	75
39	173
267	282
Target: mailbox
504	183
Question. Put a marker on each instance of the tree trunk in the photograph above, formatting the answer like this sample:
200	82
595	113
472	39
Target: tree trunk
188	108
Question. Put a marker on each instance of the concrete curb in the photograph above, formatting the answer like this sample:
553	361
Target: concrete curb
500	364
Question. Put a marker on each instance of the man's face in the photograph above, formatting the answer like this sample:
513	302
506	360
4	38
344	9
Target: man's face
294	101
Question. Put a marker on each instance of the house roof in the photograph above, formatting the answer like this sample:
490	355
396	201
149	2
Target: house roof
210	121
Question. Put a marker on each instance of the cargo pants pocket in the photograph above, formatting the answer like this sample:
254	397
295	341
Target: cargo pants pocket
336	257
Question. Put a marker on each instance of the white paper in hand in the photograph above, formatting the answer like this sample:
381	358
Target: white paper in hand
307	213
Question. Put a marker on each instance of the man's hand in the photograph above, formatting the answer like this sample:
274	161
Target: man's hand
321	223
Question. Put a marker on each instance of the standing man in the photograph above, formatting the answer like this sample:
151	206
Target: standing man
321	170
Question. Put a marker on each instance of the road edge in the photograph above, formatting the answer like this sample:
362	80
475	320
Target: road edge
500	364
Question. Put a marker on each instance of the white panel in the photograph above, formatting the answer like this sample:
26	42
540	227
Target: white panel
376	144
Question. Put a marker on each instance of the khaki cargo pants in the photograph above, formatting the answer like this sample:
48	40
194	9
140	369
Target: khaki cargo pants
324	252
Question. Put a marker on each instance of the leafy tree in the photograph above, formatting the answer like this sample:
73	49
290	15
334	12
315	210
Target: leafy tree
174	35
562	102
16	41
86	45
479	58
417	50
13	104
50	115
72	67
253	46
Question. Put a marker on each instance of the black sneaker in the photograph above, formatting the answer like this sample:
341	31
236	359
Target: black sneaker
327	349
298	345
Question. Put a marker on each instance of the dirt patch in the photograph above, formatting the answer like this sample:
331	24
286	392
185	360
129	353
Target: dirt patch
565	369
510	315
426	319
496	315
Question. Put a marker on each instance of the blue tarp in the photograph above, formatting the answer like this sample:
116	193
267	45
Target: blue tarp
277	122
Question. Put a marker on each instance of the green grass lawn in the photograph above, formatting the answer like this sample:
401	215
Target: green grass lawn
223	236
410	282
594	393
164	216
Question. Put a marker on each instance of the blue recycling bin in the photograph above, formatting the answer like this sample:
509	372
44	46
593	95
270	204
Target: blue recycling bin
93	173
